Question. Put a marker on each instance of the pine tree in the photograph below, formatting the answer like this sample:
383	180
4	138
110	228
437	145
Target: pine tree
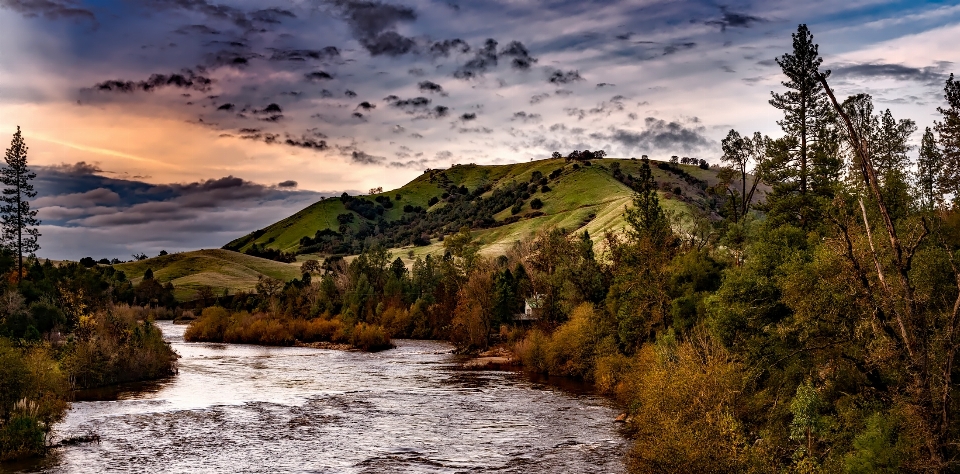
929	167
949	132
804	104
646	217
19	222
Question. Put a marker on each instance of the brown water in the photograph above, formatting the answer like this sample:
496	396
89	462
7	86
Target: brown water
240	408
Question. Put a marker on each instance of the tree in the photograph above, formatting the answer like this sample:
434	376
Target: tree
646	217
742	153
929	168
804	105
949	132
19	222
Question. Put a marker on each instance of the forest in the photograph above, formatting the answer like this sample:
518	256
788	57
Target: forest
815	331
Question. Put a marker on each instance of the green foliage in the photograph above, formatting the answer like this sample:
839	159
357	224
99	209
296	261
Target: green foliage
33	394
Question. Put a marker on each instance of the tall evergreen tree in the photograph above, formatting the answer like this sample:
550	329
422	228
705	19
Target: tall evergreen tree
949	132
929	167
646	217
804	104
19	222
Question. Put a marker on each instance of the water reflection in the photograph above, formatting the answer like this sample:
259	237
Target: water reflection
238	408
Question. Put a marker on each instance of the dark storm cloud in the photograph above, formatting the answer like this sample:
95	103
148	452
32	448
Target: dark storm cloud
366	158
536	99
318	76
49	9
226	107
445	47
366	106
408	105
86	214
271	15
485	58
526	117
731	19
429	86
302	55
468	116
927	75
196	30
659	134
521	56
215	11
373	24
673	48
185	80
312	140
561	77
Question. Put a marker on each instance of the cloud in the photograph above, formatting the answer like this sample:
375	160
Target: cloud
468	116
408	104
536	99
659	134
521	56
366	106
287	184
317	76
226	107
196	29
271	15
186	80
85	199
85	214
485	58
302	55
730	19
373	24
526	117
928	75
429	86
673	48
365	158
561	77
49	9
217	11
445	47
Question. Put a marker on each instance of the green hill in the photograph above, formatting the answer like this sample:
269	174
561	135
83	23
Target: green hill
217	268
579	198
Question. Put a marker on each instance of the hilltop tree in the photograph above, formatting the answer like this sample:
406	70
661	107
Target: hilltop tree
19	222
646	217
949	132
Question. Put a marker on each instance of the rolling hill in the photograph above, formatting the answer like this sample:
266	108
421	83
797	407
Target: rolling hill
579	198
218	268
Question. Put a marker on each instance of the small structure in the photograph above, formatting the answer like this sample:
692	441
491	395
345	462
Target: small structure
532	309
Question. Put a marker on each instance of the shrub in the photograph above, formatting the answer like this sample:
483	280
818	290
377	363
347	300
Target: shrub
117	346
536	203
370	338
33	394
516	208
532	351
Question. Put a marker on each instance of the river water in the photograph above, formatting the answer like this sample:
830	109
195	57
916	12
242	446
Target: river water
242	408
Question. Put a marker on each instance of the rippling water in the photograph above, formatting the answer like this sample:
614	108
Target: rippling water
240	408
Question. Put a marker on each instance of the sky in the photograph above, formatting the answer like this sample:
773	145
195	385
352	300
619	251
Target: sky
183	124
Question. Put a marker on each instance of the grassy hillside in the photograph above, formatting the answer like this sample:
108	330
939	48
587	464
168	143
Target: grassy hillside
217	268
580	198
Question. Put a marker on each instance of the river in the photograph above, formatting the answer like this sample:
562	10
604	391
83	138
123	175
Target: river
243	408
